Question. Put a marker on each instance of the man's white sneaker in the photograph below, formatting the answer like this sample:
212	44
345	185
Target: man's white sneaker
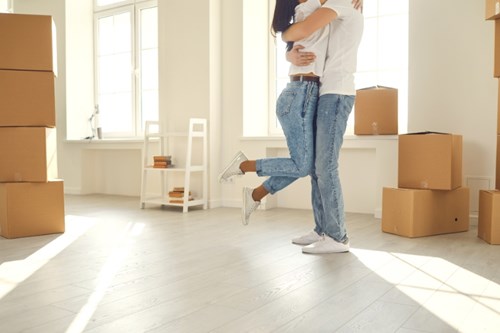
249	205
233	168
307	239
326	245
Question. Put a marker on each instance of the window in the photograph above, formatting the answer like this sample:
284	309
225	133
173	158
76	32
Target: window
281	78
5	6
383	53
126	65
382	57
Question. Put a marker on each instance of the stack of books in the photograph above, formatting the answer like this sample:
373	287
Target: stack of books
177	195
162	161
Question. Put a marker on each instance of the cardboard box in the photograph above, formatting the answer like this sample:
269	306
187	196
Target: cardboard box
497	169
28	154
27	98
28	42
492	9
496	58
488	225
418	213
31	209
430	160
376	111
498	109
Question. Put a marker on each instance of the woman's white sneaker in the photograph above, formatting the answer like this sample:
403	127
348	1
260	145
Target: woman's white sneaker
249	205
307	239
326	245
233	168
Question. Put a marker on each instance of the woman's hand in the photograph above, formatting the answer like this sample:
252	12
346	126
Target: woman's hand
298	58
358	4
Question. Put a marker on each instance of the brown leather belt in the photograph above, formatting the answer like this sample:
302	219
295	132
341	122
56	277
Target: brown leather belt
304	78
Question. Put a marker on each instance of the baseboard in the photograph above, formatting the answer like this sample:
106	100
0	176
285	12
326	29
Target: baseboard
72	190
214	204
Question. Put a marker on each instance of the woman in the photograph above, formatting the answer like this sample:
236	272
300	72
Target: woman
295	110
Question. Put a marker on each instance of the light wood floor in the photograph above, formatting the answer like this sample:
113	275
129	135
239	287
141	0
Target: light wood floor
122	269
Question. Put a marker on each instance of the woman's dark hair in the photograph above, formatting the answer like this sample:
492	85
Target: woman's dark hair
283	17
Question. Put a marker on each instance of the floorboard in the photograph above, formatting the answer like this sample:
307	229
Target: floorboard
119	268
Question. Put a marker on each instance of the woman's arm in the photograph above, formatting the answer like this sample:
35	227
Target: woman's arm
317	20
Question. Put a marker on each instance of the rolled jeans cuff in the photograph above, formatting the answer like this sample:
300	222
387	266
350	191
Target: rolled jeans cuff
258	167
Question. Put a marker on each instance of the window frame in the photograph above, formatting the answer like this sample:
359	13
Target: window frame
138	61
121	3
273	130
133	7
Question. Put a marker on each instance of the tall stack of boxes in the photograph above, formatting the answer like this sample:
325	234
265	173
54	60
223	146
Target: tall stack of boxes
31	196
430	199
489	200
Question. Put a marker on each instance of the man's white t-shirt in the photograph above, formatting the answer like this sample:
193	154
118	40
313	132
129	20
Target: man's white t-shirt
342	51
316	42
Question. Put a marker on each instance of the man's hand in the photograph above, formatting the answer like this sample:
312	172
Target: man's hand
358	4
298	58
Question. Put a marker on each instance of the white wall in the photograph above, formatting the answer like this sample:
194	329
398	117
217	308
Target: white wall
79	68
451	86
190	72
202	58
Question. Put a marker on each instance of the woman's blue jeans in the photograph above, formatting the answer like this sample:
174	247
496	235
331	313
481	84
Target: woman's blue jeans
296	110
327	200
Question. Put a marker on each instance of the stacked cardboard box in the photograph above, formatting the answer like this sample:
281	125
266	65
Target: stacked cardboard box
489	201
488	227
430	199
376	111
31	196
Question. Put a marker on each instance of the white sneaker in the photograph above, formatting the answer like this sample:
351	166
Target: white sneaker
249	205
326	245
233	168
307	239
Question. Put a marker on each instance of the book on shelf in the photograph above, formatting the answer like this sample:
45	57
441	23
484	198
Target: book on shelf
174	194
180	201
162	158
177	195
160	161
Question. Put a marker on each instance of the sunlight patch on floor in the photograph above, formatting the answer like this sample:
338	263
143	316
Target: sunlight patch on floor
12	273
124	241
449	295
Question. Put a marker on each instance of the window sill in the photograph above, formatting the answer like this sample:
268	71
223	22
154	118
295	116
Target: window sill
351	137
118	143
350	141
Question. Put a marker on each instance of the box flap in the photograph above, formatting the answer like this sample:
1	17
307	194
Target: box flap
427	132
377	87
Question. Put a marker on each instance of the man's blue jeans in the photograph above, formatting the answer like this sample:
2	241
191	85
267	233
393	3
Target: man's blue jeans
327	200
296	110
